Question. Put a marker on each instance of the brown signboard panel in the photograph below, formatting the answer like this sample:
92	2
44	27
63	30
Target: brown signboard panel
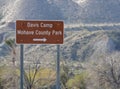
39	32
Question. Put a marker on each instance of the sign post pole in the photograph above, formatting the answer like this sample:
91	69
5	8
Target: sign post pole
58	68
21	65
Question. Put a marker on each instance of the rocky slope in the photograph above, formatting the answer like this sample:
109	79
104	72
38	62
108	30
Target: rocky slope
71	11
81	43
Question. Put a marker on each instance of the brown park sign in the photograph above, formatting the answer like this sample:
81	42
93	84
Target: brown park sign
39	32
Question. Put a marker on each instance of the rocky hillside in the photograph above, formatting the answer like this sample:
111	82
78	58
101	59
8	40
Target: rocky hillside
71	11
80	43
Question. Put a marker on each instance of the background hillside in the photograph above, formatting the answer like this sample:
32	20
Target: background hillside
71	11
81	41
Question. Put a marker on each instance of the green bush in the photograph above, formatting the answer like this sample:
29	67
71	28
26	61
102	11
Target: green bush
77	82
1	87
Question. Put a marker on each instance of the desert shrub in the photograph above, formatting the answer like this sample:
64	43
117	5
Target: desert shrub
77	82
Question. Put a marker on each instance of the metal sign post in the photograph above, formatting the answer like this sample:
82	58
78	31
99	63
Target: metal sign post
58	68
21	66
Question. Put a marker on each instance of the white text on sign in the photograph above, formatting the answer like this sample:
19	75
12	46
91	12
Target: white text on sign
39	25
37	32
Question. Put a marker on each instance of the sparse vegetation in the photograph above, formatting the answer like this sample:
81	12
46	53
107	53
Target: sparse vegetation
12	46
39	78
77	82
